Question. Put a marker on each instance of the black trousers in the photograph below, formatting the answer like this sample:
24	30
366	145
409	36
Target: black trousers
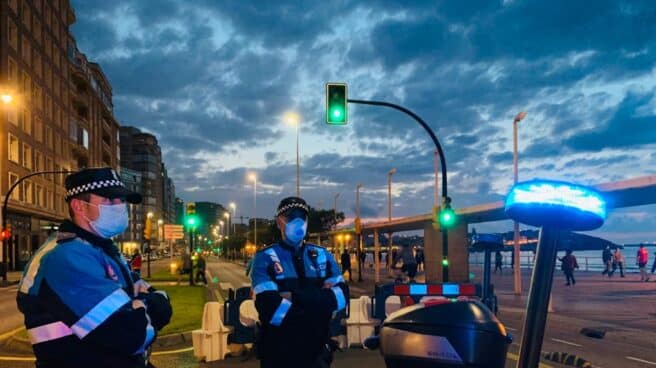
569	275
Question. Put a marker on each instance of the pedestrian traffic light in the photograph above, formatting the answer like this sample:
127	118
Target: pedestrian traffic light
191	208
6	234
336	103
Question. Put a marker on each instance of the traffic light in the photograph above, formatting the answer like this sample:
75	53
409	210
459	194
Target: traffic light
447	217
148	228
336	103
6	233
191	208
192	222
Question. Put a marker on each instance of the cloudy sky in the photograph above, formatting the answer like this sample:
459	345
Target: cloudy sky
213	79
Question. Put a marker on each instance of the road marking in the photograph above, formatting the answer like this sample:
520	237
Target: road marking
640	360
566	342
172	351
515	357
11	333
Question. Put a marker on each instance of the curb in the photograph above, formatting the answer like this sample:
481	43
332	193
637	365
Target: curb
569	360
166	341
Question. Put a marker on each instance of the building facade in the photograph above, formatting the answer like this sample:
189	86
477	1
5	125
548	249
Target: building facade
59	119
132	238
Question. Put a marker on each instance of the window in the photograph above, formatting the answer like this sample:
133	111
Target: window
55	86
85	138
38	97
13	4
48	136
38	129
50	200
12	70
15	195
38	161
39	196
49	166
27	19
47	14
27	156
37	30
12	116
48	106
26	121
48	75
72	131
12	33
48	45
27	51
57	141
38	67
27	84
14	149
28	191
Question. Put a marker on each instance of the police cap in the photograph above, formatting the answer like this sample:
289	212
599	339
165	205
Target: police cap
103	181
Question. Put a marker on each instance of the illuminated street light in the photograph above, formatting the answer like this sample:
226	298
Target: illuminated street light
252	177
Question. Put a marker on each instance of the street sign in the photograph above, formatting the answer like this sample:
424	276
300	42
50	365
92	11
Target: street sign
173	232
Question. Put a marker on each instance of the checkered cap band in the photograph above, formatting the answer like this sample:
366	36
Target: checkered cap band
287	207
90	187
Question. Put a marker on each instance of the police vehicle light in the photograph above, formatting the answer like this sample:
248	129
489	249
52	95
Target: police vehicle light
558	204
418	289
451	289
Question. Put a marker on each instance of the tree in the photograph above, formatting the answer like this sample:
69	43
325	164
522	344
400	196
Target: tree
320	220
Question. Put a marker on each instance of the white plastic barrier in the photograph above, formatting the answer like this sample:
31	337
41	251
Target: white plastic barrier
392	304
360	325
247	313
211	341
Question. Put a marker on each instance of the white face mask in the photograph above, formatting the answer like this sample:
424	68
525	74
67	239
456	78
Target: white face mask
112	219
295	230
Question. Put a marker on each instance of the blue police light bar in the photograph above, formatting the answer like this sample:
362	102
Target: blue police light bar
556	204
450	289
418	289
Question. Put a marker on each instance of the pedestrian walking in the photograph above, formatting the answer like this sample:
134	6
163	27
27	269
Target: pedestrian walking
568	265
82	305
201	266
409	263
642	258
498	262
363	258
653	266
297	286
346	264
618	261
607	258
135	262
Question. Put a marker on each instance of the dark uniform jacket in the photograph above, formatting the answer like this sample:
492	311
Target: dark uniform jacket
294	330
76	294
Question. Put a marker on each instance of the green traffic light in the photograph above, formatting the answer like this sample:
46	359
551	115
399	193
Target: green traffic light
447	217
445	262
336	103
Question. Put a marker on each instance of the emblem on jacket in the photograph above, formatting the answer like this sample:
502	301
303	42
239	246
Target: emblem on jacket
278	268
109	271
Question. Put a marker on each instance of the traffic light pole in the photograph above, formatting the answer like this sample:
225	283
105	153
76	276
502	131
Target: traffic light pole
5	266
192	236
445	237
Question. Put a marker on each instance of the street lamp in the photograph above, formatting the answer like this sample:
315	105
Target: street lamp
293	118
335	208
389	213
227	216
516	253
221	223
252	177
6	98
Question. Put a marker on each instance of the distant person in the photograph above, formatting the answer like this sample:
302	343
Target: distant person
618	261
186	263
568	266
409	262
642	258
653	266
498	262
346	264
363	258
419	257
135	262
200	269
607	258
512	259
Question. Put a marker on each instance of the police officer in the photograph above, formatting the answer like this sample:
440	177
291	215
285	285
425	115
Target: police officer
297	286
82	305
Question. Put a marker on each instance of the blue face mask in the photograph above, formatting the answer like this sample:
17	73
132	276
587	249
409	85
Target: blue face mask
295	230
112	219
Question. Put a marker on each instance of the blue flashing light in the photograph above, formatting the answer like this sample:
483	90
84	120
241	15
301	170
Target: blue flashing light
451	289
557	204
418	289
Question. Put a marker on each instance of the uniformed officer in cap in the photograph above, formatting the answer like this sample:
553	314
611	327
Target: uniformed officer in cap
297	286
82	306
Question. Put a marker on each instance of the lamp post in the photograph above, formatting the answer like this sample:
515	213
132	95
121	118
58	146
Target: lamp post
253	178
227	217
389	215
335	208
358	229
222	227
516	253
293	118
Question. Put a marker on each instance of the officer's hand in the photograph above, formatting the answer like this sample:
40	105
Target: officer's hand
136	304
140	287
287	295
328	285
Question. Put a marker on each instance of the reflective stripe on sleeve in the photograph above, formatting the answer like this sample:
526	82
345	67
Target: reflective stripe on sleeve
265	286
334	280
281	312
100	312
339	295
51	331
150	335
